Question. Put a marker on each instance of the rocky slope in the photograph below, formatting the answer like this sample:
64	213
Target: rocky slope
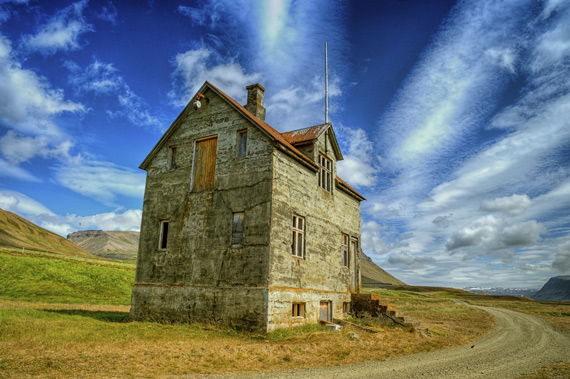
556	289
17	232
108	244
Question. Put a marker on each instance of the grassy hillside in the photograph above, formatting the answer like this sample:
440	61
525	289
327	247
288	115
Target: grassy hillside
50	278
373	276
109	244
17	232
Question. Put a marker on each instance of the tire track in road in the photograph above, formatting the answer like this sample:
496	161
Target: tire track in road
520	343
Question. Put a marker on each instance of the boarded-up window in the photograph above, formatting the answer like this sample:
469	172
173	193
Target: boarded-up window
163	239
298	310
242	143
298	243
344	251
237	230
172	158
325	173
205	164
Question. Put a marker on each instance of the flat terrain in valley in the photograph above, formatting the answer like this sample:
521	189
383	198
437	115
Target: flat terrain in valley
70	331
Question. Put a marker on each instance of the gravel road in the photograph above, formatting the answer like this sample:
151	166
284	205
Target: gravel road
520	343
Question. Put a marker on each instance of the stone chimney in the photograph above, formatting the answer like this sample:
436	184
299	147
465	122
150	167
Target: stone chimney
255	101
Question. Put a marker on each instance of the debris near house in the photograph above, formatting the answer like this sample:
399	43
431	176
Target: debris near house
379	310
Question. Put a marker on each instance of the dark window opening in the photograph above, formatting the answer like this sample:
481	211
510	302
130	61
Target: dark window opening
163	235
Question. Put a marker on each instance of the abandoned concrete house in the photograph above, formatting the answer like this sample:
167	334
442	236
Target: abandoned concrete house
243	225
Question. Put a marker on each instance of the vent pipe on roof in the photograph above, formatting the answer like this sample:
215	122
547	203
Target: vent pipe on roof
326	87
255	101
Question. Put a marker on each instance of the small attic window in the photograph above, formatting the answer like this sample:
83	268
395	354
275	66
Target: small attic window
242	143
172	158
325	173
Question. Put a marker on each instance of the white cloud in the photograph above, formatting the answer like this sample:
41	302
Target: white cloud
562	259
62	31
102	181
128	220
406	259
194	67
358	167
27	102
513	205
19	149
21	204
9	170
34	211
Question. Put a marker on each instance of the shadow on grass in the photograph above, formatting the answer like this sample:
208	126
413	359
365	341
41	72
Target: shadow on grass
107	316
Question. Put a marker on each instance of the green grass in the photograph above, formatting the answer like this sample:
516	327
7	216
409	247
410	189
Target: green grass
64	280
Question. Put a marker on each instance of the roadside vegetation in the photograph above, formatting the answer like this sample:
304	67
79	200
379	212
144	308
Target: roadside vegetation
69	317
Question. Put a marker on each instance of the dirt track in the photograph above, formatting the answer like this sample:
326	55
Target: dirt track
520	343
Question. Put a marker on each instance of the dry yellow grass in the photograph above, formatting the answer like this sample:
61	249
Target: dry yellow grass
91	341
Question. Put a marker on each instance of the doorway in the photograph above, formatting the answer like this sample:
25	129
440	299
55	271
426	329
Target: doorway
324	311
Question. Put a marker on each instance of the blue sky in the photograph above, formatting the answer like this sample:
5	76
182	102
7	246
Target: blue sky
453	117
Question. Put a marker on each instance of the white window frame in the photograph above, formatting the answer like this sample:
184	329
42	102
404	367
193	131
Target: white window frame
298	242
345	250
325	173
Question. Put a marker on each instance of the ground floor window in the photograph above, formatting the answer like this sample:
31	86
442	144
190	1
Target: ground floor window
346	308
298	310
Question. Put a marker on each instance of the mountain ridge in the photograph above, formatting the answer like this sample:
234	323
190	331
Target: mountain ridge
17	232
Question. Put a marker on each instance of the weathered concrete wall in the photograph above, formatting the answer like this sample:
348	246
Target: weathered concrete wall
320	274
199	251
238	307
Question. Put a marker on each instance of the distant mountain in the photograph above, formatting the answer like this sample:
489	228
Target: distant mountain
373	275
556	289
527	292
108	244
17	232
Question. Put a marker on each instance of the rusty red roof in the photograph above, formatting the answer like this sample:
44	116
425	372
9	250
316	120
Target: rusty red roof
306	134
264	126
349	188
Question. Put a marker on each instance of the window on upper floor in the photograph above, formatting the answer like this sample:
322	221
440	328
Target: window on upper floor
325	176
163	237
345	253
298	243
242	143
172	158
237	229
204	167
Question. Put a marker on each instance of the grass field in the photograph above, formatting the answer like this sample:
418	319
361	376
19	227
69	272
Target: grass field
62	317
34	276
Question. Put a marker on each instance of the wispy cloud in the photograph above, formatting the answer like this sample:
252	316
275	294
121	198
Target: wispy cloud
478	202
62	31
103	79
112	181
194	67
